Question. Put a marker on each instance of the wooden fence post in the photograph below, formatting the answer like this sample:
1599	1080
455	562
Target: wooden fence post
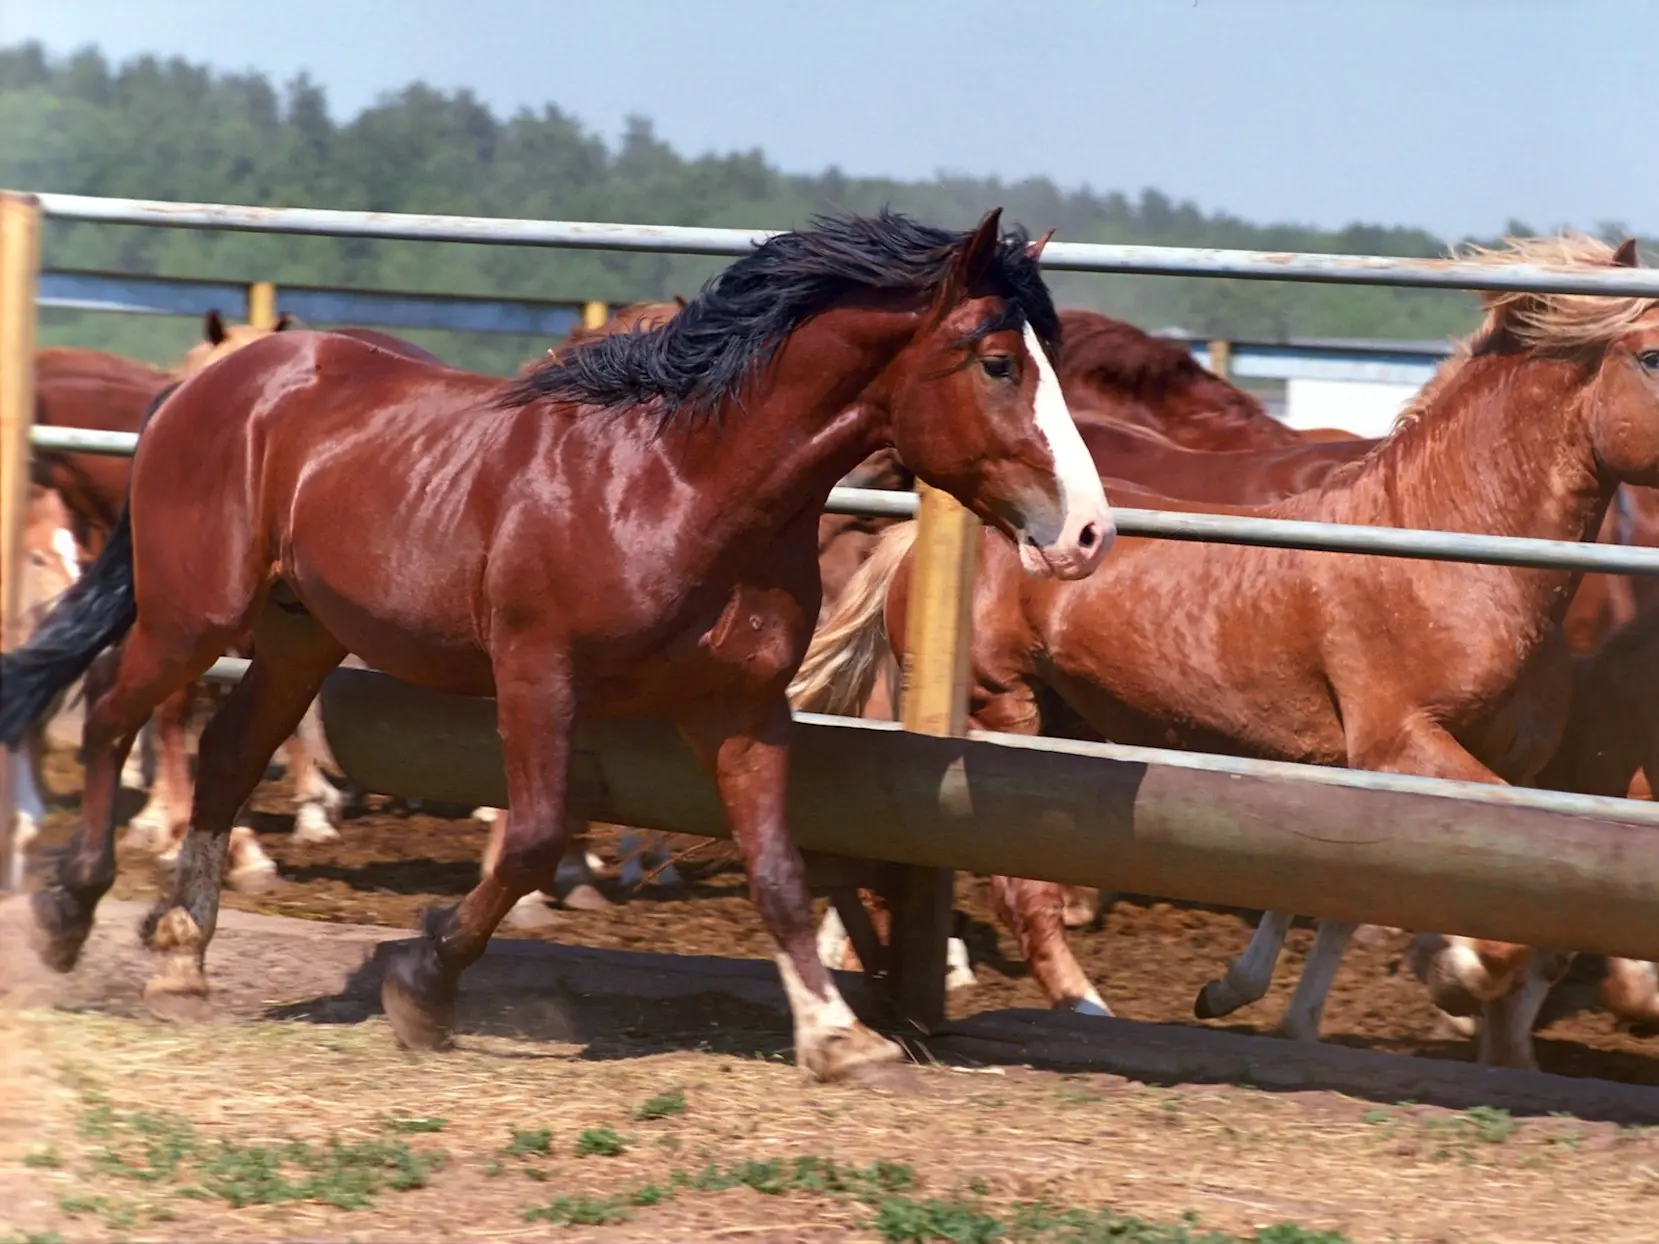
262	305
1221	358
19	275
934	701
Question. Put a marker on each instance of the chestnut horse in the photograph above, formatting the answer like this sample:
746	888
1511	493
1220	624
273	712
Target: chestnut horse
628	531
1126	374
1446	670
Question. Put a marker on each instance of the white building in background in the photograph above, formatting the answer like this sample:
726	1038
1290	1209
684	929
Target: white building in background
1363	407
1358	386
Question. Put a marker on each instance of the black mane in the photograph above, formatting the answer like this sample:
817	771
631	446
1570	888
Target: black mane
732	329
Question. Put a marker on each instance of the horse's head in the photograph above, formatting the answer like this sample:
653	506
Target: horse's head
1602	350
53	561
976	408
1624	404
220	339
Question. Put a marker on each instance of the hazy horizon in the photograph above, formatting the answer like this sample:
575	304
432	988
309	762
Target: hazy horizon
1457	119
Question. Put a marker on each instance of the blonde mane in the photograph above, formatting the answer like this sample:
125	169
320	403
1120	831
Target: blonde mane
1552	324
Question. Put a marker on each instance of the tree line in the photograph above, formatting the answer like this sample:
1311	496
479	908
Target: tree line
168	129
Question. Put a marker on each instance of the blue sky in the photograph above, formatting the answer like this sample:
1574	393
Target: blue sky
1458	115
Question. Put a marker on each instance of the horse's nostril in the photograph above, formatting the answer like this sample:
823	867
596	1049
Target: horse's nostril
1089	536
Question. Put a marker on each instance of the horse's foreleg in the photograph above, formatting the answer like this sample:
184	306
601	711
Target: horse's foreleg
123	687
749	758
1034	911
535	711
1507	1021
1466	976
291	657
1249	976
1307	1005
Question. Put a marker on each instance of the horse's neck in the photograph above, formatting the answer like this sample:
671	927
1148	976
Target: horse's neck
1501	451
1209	414
802	427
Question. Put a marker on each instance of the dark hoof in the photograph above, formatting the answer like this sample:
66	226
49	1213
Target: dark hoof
419	998
62	925
1205	1007
585	897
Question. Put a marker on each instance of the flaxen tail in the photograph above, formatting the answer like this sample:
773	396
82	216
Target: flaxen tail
840	668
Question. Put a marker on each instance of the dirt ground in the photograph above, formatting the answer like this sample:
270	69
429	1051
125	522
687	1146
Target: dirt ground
296	1117
1149	958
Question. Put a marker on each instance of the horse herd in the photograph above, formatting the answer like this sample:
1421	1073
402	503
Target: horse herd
693	444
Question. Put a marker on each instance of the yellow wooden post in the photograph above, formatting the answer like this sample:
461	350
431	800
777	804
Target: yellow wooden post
594	314
262	305
1221	358
934	700
19	274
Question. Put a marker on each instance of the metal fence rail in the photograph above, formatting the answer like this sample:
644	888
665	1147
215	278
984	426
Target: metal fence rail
1273	533
138	294
66	289
693	240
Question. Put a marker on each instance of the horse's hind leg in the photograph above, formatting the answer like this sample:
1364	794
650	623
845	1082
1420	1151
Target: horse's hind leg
292	656
1250	975
318	803
123	687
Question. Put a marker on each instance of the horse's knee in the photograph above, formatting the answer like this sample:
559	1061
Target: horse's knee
528	857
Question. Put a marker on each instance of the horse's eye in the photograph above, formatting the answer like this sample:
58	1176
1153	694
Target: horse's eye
1649	359
997	366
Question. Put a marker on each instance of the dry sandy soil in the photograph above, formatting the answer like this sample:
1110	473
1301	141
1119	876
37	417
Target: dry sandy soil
294	1116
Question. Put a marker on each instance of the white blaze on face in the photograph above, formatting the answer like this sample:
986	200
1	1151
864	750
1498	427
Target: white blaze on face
1082	499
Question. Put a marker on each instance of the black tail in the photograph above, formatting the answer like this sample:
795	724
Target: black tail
89	617
98	610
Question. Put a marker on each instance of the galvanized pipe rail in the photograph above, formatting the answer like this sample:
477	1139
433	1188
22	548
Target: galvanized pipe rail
690	240
1273	533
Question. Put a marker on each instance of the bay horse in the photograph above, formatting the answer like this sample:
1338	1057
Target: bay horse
628	531
1445	670
90	389
93	390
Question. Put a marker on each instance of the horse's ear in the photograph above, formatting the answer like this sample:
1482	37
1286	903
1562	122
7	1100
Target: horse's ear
679	301
1626	256
1034	250
213	328
284	323
973	260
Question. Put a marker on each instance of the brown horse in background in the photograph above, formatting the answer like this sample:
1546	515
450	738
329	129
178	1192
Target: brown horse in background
92	390
629	531
1446	670
1123	373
